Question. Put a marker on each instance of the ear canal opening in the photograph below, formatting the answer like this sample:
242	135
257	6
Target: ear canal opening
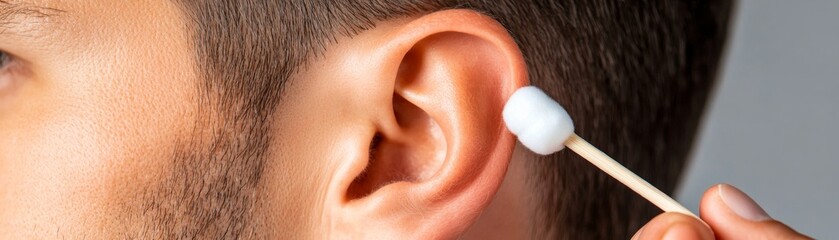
360	186
413	153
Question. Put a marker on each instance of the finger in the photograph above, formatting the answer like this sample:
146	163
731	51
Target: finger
674	226
734	215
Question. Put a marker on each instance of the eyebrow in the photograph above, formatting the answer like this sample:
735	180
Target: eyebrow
12	13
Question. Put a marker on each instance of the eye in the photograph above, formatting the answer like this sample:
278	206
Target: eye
5	59
6	71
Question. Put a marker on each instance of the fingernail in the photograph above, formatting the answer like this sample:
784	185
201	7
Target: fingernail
741	204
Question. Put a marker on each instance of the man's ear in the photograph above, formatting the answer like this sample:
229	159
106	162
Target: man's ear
438	151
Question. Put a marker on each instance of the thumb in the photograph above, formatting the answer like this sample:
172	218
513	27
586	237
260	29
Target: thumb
734	215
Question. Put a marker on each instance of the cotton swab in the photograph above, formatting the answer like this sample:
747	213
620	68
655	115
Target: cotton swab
544	127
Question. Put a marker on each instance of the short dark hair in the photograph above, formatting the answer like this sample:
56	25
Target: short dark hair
634	74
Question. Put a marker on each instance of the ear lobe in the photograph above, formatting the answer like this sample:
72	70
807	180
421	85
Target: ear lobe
442	150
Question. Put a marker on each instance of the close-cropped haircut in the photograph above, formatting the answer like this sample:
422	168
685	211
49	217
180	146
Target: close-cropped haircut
635	75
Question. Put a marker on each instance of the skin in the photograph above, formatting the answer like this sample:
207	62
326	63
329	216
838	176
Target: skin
77	143
75	136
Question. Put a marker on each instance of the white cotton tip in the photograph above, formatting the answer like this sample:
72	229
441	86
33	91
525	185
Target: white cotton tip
540	123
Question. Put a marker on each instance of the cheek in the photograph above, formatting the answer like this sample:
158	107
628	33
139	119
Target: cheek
71	157
87	137
97	123
42	169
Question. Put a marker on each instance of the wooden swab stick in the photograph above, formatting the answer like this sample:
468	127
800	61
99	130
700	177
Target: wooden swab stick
628	178
544	127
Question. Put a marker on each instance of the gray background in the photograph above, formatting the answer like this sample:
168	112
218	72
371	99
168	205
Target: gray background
771	128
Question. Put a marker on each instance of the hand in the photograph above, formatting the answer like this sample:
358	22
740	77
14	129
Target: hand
728	211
